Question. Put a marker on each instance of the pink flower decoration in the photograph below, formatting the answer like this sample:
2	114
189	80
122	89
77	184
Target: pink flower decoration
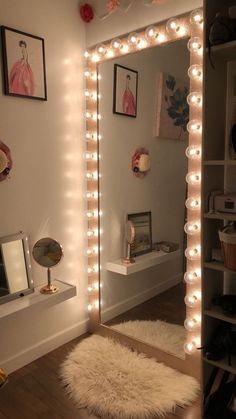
112	5
86	12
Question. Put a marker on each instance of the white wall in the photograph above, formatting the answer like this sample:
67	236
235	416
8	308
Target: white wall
138	16
162	191
45	194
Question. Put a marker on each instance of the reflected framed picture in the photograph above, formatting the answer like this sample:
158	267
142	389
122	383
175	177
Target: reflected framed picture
23	56
142	222
125	91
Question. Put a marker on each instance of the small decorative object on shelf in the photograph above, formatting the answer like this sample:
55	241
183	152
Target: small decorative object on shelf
48	253
227	237
129	236
5	161
3	377
86	12
141	163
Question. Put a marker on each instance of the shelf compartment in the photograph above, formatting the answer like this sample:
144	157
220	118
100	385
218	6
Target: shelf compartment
220	216
218	266
226	52
142	262
65	292
217	313
219	163
223	364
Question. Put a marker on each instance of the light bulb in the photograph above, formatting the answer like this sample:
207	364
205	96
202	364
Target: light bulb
161	38
92	195
93	269
125	48
90	307
92	214
92	175
192	323
196	17
91	251
195	72
87	73
116	43
193	178
195	99
195	44
192	300
142	44
191	347
192	228
101	49
91	156
193	253
172	25
193	203
193	152
192	277
95	58
194	126
133	39
151	33
92	233
88	115
86	54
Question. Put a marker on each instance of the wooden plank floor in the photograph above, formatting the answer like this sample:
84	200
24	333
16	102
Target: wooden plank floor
35	392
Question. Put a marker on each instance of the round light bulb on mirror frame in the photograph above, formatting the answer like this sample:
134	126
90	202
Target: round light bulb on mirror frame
192	346
192	277
195	99
151	33
193	252
193	203
192	323
194	126
195	44
192	300
101	49
173	25
193	152
133	39
116	44
195	72
196	17
193	178
192	228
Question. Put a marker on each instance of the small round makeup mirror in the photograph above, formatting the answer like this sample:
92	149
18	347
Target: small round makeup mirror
129	237
48	253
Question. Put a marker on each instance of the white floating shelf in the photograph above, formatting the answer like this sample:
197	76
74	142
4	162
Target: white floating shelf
142	262
65	292
224	51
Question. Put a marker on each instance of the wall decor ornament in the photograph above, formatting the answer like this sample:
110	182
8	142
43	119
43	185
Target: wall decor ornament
172	108
5	161
125	91
23	58
141	163
86	12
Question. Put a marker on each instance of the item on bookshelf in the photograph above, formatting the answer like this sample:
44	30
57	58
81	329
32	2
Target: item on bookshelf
142	223
223	342
210	200
227	237
129	237
166	246
227	302
222	30
5	161
216	255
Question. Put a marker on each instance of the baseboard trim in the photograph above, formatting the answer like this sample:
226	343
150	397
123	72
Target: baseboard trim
113	311
43	347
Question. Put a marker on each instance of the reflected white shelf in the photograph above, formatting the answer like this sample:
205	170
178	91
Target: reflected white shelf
142	262
65	292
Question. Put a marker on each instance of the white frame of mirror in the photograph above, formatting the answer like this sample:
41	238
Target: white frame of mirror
189	25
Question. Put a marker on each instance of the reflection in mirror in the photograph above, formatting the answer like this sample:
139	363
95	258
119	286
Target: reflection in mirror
48	253
15	268
146	299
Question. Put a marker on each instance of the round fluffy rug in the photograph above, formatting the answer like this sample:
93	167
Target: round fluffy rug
113	382
170	337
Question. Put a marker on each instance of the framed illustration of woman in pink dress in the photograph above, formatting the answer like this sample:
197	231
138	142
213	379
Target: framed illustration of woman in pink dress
125	91
23	64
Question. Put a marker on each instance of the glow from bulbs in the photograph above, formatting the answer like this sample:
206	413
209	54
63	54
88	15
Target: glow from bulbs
192	300
193	178
194	126
195	72
133	39
193	152
195	99
192	277
193	203
116	44
192	228
195	45
151	33
193	253
196	17
172	25
193	323
191	347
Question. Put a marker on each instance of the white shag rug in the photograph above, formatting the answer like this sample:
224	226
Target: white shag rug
113	382
166	336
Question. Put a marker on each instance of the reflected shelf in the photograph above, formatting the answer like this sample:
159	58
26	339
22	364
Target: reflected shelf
224	51
217	313
223	364
65	292
142	262
218	266
220	216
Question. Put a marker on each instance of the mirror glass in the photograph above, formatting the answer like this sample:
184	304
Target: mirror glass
15	277
47	252
142	169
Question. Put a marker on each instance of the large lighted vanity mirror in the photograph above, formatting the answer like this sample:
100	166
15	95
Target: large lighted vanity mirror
148	116
15	268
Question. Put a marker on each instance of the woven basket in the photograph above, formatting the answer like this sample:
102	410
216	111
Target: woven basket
228	246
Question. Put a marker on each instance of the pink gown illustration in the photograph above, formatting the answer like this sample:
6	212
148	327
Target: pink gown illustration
129	105
21	79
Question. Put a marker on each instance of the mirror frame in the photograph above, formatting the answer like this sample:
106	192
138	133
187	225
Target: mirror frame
13	237
185	26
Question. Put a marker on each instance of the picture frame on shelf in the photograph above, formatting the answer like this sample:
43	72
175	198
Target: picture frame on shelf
23	58
125	91
142	223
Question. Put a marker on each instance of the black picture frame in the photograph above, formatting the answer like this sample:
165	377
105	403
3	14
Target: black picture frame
125	91
23	59
142	222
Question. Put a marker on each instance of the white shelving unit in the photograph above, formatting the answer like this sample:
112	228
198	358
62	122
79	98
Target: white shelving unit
29	301
142	262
